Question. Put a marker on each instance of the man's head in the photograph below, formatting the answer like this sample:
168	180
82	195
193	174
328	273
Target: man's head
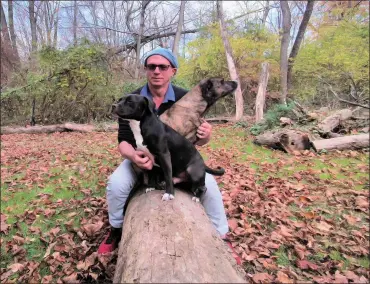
160	65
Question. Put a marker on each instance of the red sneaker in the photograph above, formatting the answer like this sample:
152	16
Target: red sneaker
234	253
110	242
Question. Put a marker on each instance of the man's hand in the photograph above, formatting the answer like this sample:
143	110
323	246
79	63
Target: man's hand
204	132
142	160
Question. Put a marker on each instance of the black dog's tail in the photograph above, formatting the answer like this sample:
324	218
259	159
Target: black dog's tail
216	172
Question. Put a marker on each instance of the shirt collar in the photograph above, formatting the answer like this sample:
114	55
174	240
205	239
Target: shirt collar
169	96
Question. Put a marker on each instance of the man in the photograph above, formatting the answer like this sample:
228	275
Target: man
160	65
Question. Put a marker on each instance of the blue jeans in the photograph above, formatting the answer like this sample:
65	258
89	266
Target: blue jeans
123	179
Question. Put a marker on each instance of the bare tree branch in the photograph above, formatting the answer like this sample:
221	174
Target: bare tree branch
343	100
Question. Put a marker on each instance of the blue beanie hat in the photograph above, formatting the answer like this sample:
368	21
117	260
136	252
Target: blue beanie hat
166	53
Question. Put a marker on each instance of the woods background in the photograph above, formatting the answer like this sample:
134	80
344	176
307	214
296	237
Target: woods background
69	60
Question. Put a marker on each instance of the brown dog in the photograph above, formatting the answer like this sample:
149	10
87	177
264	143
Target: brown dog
185	115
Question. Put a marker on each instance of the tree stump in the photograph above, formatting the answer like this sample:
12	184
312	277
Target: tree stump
172	242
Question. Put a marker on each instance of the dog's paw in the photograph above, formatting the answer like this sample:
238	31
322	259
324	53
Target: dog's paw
195	199
167	197
149	189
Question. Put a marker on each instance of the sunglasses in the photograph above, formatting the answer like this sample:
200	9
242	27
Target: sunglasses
162	67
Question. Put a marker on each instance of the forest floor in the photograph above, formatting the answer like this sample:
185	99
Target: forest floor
301	218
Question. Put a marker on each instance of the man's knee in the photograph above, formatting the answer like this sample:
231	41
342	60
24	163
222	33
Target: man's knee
122	180
213	190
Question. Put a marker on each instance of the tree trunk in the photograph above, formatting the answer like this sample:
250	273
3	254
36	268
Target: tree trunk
299	38
261	94
174	241
230	62
144	4
352	142
176	43
265	13
284	51
4	26
31	10
75	11
12	32
67	127
56	21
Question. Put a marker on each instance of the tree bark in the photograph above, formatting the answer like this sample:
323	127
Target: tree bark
284	51
12	32
144	4
239	104
174	241
261	94
175	49
298	39
352	142
31	9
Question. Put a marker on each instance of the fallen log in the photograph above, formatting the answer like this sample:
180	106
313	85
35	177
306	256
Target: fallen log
287	140
333	122
352	142
66	127
173	241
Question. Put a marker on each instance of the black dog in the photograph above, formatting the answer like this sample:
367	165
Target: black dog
176	156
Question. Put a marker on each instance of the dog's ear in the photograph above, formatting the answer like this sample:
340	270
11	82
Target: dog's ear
206	85
149	104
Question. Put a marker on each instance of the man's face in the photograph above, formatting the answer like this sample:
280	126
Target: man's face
159	77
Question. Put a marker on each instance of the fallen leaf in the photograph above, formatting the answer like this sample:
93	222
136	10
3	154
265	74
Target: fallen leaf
18	240
262	277
71	278
339	278
362	202
324	226
351	219
304	264
352	276
92	229
300	250
16	267
285	231
47	279
89	261
251	256
269	266
48	250
283	278
233	224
